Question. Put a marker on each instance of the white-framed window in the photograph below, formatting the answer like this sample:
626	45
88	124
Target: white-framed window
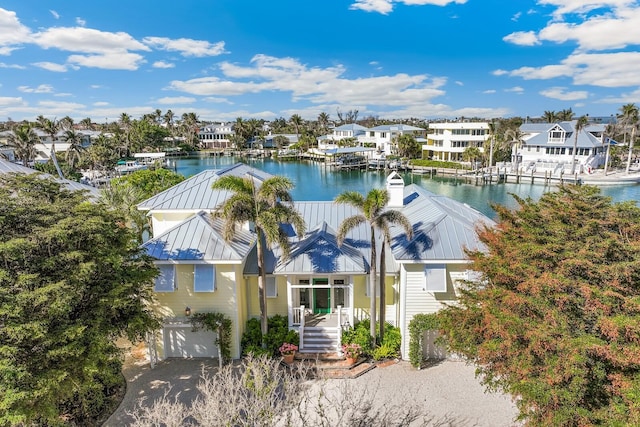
166	280
204	278
435	276
272	287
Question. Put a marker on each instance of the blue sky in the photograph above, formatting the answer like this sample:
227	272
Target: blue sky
225	59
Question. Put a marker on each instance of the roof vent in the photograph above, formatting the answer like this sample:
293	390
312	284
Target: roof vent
395	188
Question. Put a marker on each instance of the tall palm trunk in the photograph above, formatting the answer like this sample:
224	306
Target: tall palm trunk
372	288
631	140
383	302
262	279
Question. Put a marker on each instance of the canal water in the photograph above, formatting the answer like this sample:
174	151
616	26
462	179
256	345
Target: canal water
315	181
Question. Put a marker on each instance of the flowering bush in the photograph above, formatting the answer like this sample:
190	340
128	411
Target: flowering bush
352	350
287	348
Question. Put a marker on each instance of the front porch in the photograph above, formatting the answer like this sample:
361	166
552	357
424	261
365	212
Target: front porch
320	332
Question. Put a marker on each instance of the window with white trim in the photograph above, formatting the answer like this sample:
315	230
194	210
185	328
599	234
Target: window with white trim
204	278
166	280
435	276
272	287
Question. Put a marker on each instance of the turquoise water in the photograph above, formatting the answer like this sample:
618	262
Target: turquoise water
315	181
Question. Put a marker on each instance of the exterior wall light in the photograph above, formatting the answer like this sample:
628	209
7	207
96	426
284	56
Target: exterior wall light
187	311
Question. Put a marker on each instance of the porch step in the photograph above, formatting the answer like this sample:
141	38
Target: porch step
319	340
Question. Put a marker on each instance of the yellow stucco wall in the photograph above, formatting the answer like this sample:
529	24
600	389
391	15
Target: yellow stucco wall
225	299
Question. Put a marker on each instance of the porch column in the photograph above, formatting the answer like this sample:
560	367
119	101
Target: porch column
289	301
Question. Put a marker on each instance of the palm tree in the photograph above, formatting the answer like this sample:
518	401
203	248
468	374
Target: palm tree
372	212
629	119
23	140
297	122
323	121
515	138
51	128
581	123
86	123
493	128
66	123
75	149
565	115
266	206
550	116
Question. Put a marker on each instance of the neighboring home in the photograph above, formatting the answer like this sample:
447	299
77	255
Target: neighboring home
9	167
321	288
270	141
383	138
549	147
216	135
6	152
447	140
44	147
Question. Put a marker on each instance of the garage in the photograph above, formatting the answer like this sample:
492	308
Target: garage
182	341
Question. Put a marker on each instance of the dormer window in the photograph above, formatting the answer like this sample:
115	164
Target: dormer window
557	135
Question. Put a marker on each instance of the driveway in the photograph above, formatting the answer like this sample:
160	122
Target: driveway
446	390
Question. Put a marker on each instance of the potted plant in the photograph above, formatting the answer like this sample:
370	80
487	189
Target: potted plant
288	351
352	352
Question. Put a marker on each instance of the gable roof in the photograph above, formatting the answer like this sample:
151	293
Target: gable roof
537	134
442	228
199	238
195	193
319	252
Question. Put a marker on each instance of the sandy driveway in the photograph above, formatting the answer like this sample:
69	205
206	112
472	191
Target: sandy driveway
446	390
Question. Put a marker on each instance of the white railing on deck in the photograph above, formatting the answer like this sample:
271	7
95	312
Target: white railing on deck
339	343
298	320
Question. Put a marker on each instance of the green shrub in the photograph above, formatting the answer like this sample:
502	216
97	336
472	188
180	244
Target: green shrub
252	340
392	337
418	325
385	351
359	334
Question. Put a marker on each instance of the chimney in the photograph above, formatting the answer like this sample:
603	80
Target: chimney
395	188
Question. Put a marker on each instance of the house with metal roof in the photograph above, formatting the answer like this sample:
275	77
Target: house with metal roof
549	147
322	286
383	138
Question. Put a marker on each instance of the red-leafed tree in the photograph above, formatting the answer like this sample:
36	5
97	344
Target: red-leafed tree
556	320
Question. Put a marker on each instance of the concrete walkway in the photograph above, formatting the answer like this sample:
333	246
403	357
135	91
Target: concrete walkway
446	390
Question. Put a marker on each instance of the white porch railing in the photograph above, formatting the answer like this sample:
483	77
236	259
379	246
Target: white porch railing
339	343
298	320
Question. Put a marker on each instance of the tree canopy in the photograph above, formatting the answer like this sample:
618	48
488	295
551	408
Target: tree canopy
555	321
72	280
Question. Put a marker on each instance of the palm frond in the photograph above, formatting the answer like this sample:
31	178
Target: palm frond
347	225
398	218
352	198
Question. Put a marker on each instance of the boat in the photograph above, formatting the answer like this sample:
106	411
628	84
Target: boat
125	167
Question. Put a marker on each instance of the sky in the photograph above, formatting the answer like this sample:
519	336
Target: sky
391	59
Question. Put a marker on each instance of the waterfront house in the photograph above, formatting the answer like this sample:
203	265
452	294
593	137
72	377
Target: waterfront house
383	138
549	147
216	135
322	287
447	140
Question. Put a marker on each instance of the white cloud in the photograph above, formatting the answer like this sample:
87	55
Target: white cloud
489	91
516	16
55	14
565	7
522	38
516	89
63	94
12	32
11	101
40	89
314	84
50	66
163	64
169	100
618	69
87	40
459	83
386	6
562	94
217	100
81	22
109	61
186	47
14	66
100	104
500	72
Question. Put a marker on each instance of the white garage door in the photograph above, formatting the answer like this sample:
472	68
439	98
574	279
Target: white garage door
180	341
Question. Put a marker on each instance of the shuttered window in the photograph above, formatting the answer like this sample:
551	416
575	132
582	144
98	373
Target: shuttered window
204	278
435	276
166	280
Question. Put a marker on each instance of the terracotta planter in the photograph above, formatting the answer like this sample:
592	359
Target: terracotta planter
352	360
288	358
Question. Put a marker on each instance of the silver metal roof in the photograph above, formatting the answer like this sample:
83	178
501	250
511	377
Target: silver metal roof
199	238
319	252
537	134
195	193
9	167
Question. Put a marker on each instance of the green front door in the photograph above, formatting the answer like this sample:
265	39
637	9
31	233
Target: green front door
321	297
